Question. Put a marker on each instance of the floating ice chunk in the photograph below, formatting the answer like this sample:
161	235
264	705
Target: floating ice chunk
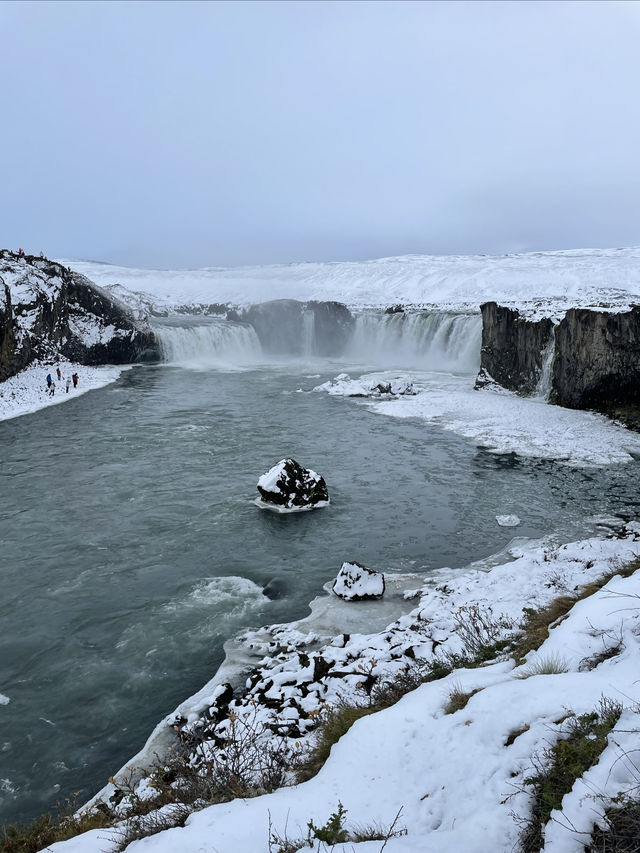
4	700
356	582
508	520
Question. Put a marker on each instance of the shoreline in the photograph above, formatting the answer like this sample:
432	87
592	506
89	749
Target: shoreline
26	392
296	673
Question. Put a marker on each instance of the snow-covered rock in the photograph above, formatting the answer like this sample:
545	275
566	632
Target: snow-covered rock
49	313
373	385
288	487
356	582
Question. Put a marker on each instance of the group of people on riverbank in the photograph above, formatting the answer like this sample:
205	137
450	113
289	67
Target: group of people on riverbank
51	385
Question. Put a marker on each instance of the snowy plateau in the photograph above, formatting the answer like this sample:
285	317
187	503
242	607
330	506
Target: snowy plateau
446	766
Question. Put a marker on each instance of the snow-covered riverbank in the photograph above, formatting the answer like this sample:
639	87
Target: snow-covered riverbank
458	777
498	420
27	391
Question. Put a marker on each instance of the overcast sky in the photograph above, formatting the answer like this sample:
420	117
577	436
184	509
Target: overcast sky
168	134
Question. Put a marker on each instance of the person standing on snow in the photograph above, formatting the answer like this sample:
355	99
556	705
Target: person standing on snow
68	383
49	381
59	374
75	380
52	389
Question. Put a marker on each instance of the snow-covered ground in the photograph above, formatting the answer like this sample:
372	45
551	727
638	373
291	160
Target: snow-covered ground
458	778
542	282
500	421
27	391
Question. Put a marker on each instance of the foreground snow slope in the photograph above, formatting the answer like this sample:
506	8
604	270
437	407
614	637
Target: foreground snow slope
580	277
459	777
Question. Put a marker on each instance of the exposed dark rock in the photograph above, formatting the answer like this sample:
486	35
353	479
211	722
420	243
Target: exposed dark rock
485	380
275	588
290	486
207	309
597	361
513	347
47	312
289	327
394	309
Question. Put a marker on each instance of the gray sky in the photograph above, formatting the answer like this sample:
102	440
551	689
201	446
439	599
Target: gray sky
188	134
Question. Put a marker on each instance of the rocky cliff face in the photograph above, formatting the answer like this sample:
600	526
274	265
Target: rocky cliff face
513	347
48	312
597	360
596	357
289	327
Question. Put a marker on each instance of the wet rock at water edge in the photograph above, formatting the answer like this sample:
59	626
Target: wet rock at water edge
356	582
288	487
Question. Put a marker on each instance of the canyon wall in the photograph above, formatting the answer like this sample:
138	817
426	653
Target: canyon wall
49	312
595	357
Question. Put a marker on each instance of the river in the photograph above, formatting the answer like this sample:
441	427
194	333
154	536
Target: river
131	547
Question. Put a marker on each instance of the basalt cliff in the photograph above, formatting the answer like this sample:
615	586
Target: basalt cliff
49	312
590	359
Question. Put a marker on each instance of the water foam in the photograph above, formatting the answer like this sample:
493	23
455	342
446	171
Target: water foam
208	342
429	340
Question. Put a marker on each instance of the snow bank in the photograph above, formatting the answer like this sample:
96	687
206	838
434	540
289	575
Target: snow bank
541	282
27	391
501	422
457	777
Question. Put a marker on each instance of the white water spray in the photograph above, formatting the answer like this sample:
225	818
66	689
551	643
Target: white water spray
207	342
430	341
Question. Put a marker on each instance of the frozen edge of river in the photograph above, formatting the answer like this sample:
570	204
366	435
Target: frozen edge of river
536	573
26	392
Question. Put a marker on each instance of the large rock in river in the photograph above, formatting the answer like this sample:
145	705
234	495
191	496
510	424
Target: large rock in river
288	487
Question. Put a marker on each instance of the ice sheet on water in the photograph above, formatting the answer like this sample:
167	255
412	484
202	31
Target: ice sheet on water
504	423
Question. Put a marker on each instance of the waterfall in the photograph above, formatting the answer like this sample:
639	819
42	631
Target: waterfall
437	341
207	342
543	388
430	341
308	332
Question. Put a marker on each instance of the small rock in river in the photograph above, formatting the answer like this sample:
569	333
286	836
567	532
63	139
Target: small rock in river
356	582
